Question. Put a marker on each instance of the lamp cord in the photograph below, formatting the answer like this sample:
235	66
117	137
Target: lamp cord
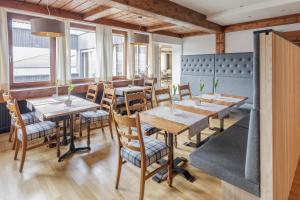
48	8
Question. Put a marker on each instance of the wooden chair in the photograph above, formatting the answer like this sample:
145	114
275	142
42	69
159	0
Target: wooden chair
136	102
184	90
149	92
141	151
163	97
102	116
28	118
92	93
26	133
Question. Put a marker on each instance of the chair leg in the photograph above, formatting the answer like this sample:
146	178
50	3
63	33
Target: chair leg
80	128
58	141
88	132
17	149
120	164
14	139
101	124
24	149
11	133
175	141
110	130
142	183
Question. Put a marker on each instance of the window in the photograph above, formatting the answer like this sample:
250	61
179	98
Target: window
83	53
118	55
30	56
141	59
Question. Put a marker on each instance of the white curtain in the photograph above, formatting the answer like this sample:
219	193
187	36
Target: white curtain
130	57
104	52
63	56
4	55
151	57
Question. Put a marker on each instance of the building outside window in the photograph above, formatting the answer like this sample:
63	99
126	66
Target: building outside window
141	59
118	55
31	54
83	53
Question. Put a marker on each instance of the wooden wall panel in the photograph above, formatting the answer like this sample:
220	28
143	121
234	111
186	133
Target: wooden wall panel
286	100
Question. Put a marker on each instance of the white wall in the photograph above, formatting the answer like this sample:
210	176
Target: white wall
241	41
205	44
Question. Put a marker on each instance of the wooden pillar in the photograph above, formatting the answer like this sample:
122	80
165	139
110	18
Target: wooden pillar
220	43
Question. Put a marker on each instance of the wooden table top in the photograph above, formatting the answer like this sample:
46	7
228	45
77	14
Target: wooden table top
171	126
217	100
122	90
52	107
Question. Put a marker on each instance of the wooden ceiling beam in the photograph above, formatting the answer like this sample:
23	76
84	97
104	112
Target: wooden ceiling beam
28	8
276	21
194	34
161	27
100	12
166	11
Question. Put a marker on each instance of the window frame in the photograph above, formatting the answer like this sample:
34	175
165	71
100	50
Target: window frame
147	54
14	85
125	34
89	28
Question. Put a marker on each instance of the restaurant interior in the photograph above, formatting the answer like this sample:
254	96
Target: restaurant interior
149	99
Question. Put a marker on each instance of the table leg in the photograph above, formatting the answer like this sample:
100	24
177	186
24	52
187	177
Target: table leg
72	148
175	165
198	143
65	140
221	124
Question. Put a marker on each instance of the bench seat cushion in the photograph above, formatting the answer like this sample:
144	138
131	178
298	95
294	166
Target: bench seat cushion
224	157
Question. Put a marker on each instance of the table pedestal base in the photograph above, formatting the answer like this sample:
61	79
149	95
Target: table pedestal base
178	162
72	151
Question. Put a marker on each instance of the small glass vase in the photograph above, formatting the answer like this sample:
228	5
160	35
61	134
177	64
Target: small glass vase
68	101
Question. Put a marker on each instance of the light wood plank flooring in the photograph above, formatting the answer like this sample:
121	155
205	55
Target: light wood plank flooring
91	175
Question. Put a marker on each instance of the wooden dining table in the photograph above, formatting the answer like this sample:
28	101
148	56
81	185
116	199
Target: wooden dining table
121	91
173	127
54	108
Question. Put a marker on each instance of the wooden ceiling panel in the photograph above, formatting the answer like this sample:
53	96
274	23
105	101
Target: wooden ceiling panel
73	4
81	8
45	2
32	1
133	18
60	3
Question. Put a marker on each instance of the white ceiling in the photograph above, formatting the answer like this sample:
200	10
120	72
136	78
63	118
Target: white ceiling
226	12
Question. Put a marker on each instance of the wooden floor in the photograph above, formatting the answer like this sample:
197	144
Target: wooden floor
91	175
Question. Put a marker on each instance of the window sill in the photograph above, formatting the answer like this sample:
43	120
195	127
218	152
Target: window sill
36	92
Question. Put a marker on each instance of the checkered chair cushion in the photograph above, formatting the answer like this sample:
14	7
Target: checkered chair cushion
155	150
94	116
147	129
28	118
38	130
120	100
148	96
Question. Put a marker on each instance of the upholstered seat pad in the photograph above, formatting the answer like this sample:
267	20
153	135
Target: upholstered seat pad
147	129
28	118
94	116
224	157
244	122
38	130
154	149
149	96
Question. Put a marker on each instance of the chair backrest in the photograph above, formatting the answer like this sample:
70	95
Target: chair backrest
184	90
124	125
135	102
108	99
162	95
15	114
92	93
150	84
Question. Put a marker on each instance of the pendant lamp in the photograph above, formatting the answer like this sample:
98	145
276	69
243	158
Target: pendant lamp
47	27
138	39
